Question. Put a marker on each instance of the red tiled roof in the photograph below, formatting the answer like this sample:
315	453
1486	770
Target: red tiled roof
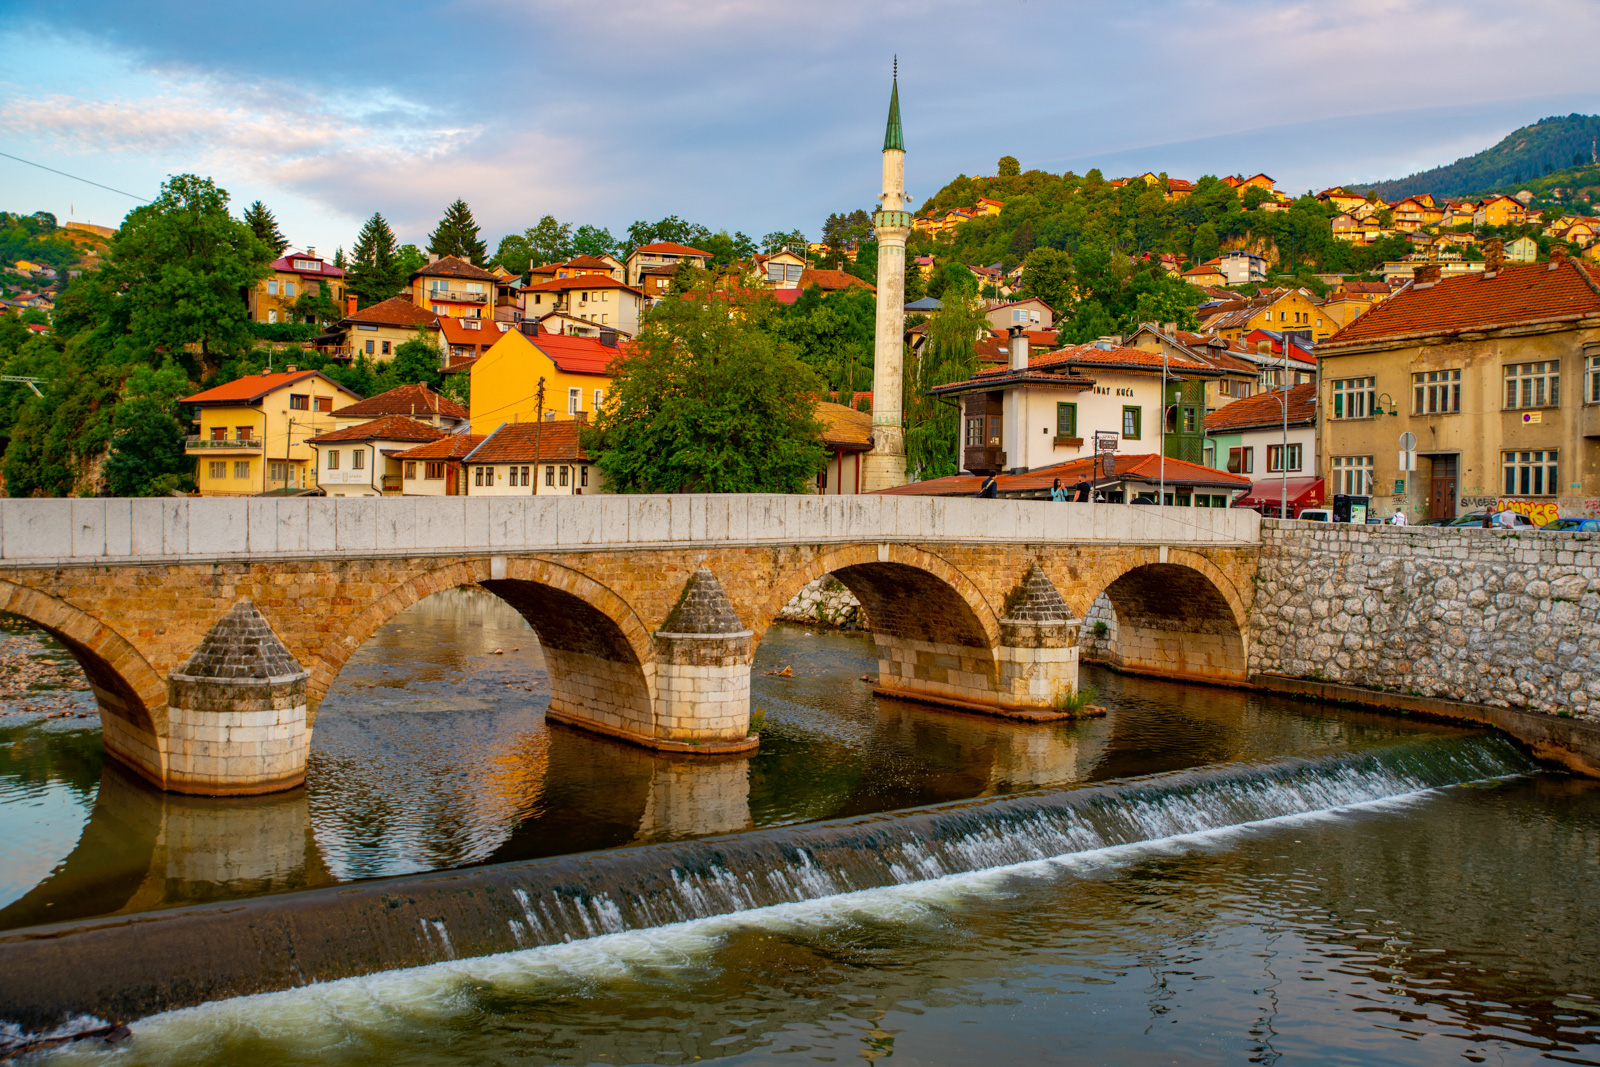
1520	295
514	442
253	387
831	280
1265	409
324	270
855	398
388	428
1365	287
395	311
455	446
668	248
579	281
577	355
586	260
1115	357
1147	469
455	267
404	400
478	332
845	427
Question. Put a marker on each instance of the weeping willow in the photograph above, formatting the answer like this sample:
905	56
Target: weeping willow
949	355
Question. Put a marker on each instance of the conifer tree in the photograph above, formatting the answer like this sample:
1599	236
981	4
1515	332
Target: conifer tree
338	258
374	275
264	226
457	235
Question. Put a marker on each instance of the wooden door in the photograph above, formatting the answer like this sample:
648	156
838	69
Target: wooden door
449	479
1443	500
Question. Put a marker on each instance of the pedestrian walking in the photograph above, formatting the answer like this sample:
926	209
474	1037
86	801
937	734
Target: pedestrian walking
990	489
1488	518
1399	517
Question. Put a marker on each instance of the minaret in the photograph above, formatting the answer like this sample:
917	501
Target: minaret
886	463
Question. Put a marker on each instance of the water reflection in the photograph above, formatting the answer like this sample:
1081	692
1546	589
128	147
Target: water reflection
431	751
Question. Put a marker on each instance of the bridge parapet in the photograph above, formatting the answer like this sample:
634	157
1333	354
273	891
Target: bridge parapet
48	533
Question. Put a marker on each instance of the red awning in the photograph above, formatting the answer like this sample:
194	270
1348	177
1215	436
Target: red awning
1303	493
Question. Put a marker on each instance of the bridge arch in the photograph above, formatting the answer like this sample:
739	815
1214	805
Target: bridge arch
1177	617
131	695
597	650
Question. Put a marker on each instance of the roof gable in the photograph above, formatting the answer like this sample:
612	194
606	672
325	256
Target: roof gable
253	387
455	267
404	400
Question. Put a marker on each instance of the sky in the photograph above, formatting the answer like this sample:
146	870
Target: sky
745	115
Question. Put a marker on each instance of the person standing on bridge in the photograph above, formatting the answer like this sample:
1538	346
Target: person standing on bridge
1057	493
990	489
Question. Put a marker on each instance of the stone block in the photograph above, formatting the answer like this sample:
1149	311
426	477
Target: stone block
440	522
396	524
88	528
40	530
321	532
649	519
217	526
506	518
356	523
119	527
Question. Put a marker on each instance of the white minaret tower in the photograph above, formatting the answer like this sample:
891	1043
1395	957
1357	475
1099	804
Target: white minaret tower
886	463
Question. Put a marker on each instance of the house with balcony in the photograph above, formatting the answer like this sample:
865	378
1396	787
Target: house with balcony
1270	438
607	265
294	275
463	339
596	301
377	330
362	459
253	431
651	266
449	285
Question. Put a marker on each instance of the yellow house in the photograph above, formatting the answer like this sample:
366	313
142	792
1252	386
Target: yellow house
1275	309
1499	211
449	285
505	379
253	431
294	275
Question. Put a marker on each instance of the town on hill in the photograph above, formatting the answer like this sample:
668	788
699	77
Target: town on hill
259	366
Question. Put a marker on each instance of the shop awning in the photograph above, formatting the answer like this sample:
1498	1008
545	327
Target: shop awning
1302	492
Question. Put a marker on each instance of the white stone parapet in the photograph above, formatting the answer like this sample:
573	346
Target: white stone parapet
46	533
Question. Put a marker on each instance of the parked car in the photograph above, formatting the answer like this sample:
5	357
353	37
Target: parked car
1316	515
1475	518
1574	525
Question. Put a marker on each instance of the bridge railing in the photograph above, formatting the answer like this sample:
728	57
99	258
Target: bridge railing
48	532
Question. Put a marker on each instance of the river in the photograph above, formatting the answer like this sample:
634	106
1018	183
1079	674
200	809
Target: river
1205	875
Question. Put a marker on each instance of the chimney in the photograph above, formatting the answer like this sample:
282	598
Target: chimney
1425	275
1494	256
608	338
433	257
350	305
1264	348
1170	329
311	253
1019	348
1558	256
291	369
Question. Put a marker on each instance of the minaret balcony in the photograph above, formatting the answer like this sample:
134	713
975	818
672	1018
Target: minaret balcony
891	220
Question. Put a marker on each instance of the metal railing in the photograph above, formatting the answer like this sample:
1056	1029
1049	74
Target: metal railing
459	296
201	441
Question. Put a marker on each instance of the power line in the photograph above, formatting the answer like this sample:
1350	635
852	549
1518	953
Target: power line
74	177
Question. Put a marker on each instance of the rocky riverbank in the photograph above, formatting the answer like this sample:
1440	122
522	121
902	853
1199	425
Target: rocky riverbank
826	602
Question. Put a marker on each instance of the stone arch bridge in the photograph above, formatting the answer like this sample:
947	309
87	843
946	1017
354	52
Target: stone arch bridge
210	629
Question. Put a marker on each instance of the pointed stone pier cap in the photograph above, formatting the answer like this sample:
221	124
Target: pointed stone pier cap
703	609
241	648
1036	600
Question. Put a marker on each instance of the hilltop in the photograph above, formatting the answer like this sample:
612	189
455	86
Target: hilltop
1522	156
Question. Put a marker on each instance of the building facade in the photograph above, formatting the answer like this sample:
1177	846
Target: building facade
505	379
253	431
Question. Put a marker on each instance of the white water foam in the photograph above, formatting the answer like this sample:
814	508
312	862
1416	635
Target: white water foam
323	1015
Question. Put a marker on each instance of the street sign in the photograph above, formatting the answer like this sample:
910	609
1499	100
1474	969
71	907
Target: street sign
1408	441
1106	440
1408	461
1529	417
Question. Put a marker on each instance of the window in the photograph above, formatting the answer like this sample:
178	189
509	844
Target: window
272	288
219	433
1066	422
1592	363
244	433
1275	458
550	476
433	471
358	459
361	327
1353	398
1208	455
583	477
288	288
1533	385
1530	473
1131	417
975	432
599	400
217	468
1352	475
241	468
574	401
525	476
563	477
477	476
333	459
324	403
369	348
299	402
386	345
1191	420
272	316
1241	460
411	470
307	264
277	471
1436	392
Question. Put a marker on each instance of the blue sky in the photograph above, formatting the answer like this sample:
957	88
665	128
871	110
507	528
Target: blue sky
744	114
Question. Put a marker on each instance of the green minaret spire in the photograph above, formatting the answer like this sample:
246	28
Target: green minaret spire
895	136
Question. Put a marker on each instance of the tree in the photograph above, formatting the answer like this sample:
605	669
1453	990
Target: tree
338	257
416	360
595	241
146	457
374	274
1205	245
550	241
1090	321
264	226
793	241
182	264
457	235
706	399
408	259
1047	274
1009	167
950	354
513	253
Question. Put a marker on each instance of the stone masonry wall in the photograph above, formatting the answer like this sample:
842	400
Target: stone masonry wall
1500	618
826	602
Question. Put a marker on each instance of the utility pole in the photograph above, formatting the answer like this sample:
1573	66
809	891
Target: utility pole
538	435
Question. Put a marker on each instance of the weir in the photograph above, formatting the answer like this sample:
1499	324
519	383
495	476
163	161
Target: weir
127	967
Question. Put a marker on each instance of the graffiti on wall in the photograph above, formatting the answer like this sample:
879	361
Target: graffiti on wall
1538	512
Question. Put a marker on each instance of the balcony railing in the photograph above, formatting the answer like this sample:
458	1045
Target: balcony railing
200	441
458	296
392	483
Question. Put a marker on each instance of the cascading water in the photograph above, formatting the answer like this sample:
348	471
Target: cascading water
127	967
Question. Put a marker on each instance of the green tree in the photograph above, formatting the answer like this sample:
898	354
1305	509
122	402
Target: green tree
264	226
514	254
408	259
708	400
416	360
146	457
457	235
1009	167
181	265
793	241
950	354
1047	274
374	274
1090	320
550	241
595	241
1206	245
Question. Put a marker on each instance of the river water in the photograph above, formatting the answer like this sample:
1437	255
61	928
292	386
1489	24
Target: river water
1294	884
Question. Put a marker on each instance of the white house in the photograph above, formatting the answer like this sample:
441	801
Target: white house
531	459
359	460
